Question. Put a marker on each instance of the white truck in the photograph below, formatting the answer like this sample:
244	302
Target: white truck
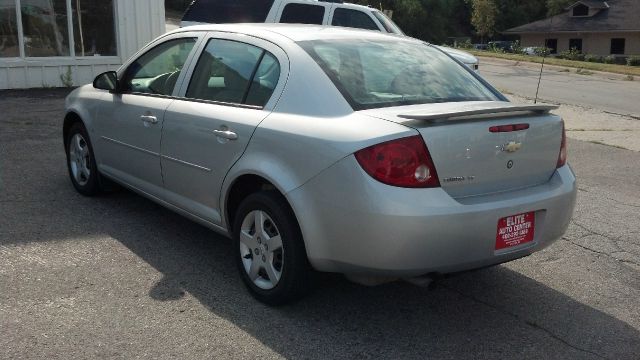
335	13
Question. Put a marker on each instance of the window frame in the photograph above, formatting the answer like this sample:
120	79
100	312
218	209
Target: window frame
70	37
552	50
580	6
624	46
365	13
574	40
186	62
177	90
325	15
187	71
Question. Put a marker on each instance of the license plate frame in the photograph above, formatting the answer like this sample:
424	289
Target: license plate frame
515	230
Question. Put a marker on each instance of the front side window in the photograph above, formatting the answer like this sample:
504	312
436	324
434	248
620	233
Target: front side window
302	14
375	74
353	18
157	71
234	72
9	46
45	28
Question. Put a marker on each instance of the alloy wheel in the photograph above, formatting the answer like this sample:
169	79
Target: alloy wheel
79	159
261	249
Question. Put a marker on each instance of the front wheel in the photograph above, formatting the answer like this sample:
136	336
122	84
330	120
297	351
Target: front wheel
81	162
269	249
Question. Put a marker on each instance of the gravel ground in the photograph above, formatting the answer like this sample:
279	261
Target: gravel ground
119	277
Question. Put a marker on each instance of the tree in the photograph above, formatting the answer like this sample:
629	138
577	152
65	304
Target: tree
555	7
483	17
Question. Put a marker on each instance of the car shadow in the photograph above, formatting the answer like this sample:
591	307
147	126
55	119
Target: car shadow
486	313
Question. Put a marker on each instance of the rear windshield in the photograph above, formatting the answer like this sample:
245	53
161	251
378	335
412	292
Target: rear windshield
374	74
228	11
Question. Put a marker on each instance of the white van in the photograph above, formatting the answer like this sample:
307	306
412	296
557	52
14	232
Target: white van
335	13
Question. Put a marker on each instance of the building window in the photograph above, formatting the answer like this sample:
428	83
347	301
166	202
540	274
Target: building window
93	28
575	44
44	28
617	46
302	14
552	45
580	10
9	46
53	28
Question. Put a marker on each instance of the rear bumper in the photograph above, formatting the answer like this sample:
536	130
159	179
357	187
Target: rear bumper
353	224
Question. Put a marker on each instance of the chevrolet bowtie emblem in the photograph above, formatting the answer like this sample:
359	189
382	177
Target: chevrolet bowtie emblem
511	147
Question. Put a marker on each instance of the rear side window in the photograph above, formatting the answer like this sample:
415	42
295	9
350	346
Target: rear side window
302	14
228	11
234	72
353	18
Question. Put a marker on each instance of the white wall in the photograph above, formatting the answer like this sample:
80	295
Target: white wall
137	23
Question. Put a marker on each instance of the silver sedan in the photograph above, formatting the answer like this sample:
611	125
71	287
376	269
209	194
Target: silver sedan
325	149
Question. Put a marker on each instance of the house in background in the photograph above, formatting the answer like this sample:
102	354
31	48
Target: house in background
46	43
609	27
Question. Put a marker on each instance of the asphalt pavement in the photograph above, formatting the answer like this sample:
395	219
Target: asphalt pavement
118	276
603	91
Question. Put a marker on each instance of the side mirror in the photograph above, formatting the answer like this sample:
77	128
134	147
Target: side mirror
106	81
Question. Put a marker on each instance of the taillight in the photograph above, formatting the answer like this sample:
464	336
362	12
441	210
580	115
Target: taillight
403	162
562	157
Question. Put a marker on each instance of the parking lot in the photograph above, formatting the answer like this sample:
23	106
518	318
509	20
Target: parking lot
118	276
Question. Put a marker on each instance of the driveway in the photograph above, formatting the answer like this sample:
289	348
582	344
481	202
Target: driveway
118	276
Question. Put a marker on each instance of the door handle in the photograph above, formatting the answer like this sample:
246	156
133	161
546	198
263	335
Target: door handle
226	134
149	119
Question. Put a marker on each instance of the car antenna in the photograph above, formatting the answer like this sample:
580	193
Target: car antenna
544	56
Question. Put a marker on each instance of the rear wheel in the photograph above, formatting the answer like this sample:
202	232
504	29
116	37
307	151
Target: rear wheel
81	162
269	249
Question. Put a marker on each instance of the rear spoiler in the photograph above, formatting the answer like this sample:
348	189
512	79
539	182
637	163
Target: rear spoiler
477	111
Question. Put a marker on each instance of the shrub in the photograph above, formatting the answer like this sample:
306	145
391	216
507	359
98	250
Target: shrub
542	51
496	49
464	44
610	59
633	61
516	48
593	58
573	54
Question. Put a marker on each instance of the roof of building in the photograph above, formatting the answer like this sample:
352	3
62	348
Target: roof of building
596	4
614	15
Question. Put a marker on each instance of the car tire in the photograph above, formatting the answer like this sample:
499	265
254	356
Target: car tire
269	249
81	162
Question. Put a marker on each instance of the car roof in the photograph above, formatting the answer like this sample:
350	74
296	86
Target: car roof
296	32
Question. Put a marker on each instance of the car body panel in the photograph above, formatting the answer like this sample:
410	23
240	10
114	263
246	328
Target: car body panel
365	227
303	140
472	160
194	159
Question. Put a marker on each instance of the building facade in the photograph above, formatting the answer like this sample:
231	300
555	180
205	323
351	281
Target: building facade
53	43
595	27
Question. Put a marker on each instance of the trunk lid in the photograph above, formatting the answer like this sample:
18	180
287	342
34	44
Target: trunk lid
469	158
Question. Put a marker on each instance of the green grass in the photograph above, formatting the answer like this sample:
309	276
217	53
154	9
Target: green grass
612	68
